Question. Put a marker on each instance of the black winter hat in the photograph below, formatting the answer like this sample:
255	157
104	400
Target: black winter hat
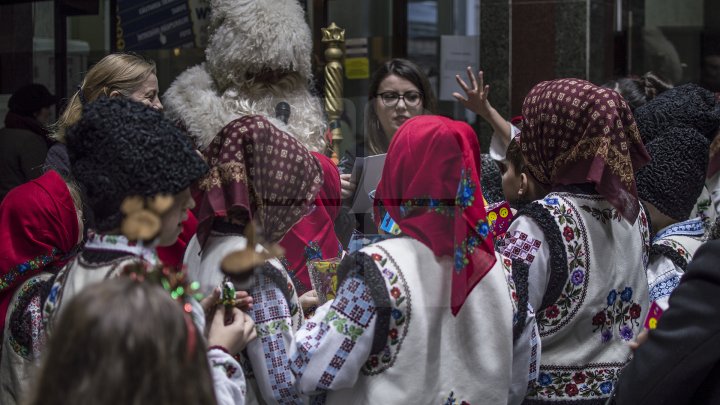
491	180
674	178
686	106
121	148
30	99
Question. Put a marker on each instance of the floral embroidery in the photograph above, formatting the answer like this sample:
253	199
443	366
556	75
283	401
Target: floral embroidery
573	292
399	315
442	207
466	190
228	366
272	327
30	266
342	325
603	215
451	400
312	251
621	312
569	383
680	249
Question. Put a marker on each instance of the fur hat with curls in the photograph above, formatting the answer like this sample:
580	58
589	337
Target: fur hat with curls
686	106
674	178
121	148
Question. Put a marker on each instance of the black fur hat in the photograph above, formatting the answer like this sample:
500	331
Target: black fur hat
674	178
491	180
686	106
121	148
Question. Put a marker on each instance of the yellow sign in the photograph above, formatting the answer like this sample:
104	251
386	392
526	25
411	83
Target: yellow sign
357	68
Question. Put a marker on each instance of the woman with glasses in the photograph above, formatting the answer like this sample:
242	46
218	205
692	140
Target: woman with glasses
399	90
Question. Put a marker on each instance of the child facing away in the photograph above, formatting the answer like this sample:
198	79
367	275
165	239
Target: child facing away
126	341
581	252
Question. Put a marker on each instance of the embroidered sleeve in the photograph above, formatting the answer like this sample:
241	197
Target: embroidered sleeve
228	378
499	143
268	354
526	359
331	349
524	241
663	276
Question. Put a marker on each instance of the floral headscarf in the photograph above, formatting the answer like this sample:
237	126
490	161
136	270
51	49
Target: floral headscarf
430	187
575	132
258	171
39	229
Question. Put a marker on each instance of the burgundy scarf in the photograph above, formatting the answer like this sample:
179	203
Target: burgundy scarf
575	132
256	172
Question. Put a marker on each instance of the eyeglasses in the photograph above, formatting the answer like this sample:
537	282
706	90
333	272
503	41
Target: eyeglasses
391	98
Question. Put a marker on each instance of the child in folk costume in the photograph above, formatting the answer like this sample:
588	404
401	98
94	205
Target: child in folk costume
669	187
688	106
135	168
261	174
126	341
581	251
436	298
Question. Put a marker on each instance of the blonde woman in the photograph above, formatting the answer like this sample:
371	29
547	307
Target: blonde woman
116	75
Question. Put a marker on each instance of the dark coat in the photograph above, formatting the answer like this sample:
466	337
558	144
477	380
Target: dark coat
22	154
680	361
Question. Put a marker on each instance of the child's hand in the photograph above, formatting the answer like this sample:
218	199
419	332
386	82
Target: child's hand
243	301
309	300
233	336
477	96
642	337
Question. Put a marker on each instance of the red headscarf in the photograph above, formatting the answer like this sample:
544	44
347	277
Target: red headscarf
173	255
430	187
260	171
575	132
314	236
38	229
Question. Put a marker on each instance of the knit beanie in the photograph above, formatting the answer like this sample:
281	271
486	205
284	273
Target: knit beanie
122	148
686	106
674	178
30	99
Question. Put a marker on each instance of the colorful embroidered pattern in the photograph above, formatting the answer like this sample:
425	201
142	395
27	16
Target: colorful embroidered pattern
521	246
227	366
26	330
603	215
351	313
619	315
573	293
664	287
466	190
451	400
312	251
693	228
28	267
677	247
271	314
442	207
592	381
399	316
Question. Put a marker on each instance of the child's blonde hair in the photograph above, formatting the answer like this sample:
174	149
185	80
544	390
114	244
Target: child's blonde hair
122	72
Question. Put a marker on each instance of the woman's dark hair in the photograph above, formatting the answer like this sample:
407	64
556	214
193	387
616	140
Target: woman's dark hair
637	91
378	140
124	342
